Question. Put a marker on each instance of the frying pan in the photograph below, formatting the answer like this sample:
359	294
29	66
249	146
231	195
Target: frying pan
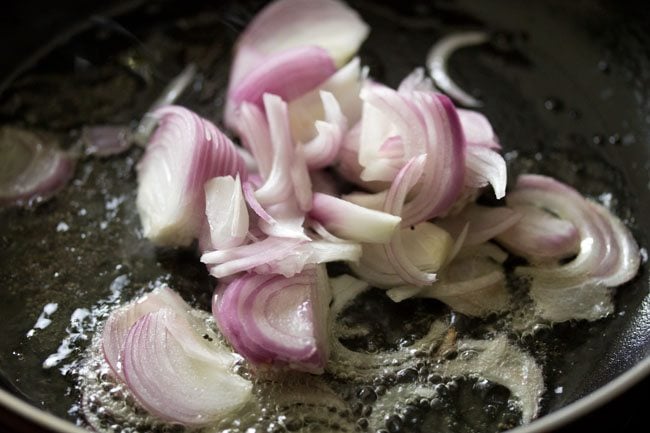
565	84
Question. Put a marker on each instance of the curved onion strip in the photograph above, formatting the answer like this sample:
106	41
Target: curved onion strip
121	320
353	222
348	166
484	223
442	181
472	284
286	24
395	250
540	237
416	81
255	136
184	152
608	256
286	221
226	212
346	364
105	140
484	165
477	129
287	74
427	246
32	169
437	63
188	387
271	319
323	149
344	85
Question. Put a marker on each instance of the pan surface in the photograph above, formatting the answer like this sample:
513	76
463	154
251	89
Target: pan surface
566	86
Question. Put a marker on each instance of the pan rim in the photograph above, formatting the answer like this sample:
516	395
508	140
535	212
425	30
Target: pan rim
546	423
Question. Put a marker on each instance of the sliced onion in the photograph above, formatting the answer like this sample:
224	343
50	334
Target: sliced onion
540	237
226	212
344	85
121	320
184	152
323	149
484	222
484	165
287	25
177	375
438	57
477	129
286	256
416	81
608	257
33	168
105	140
288	74
274	320
473	283
425	245
351	221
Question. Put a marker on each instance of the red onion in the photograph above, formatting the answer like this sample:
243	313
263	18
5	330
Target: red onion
473	283
177	375
33	168
286	25
226	212
484	223
323	149
608	255
121	320
416	81
437	63
184	152
477	129
106	140
274	320
540	237
484	165
351	221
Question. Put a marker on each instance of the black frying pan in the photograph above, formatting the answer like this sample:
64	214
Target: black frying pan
566	84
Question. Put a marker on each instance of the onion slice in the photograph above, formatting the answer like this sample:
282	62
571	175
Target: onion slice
184	152
486	166
484	222
226	212
351	221
438	57
608	256
121	320
540	237
279	321
177	375
473	283
33	168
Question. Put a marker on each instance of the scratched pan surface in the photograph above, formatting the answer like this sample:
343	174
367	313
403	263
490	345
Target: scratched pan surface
566	86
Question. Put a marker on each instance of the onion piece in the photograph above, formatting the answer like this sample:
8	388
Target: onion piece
33	168
437	63
484	165
279	321
226	212
286	25
105	140
484	222
177	375
540	237
344	85
608	257
323	149
472	284
477	129
122	319
184	152
351	221
286	256
425	245
416	81
288	74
